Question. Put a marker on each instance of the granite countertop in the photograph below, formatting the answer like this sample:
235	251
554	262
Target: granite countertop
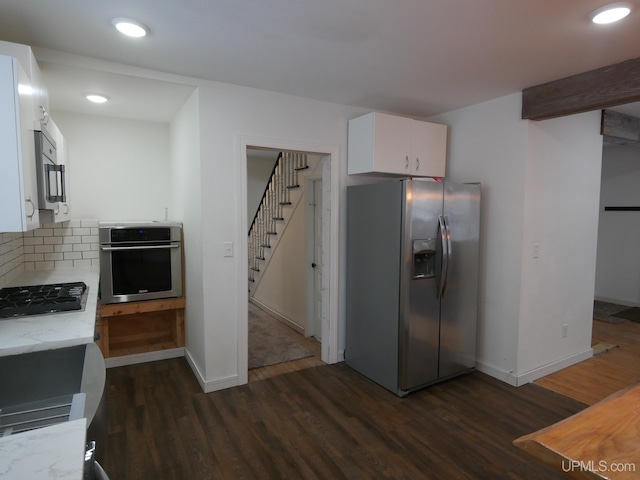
54	330
55	452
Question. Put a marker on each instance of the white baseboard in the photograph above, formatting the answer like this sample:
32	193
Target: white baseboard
536	373
144	357
550	368
282	318
502	375
214	385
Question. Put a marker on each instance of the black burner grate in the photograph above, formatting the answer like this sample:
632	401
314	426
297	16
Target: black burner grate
38	299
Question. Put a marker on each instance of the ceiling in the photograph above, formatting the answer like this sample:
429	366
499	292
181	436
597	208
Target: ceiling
413	57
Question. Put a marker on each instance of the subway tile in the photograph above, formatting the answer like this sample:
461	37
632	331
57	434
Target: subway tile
45	265
90	254
29	249
82	231
82	263
90	239
72	239
64	264
28	266
43	232
63	248
81	247
34	257
53	256
43	249
95	230
62	232
33	241
74	224
53	240
95	262
72	255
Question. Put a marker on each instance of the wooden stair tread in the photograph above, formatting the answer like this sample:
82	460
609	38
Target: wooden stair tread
602	441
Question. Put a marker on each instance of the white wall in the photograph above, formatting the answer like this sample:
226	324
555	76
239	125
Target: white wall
618	263
486	144
562	191
540	184
186	194
259	168
229	113
119	169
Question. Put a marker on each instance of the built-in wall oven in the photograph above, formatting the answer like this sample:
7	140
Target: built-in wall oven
140	261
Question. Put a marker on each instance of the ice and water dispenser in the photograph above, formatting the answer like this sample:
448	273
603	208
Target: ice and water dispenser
424	258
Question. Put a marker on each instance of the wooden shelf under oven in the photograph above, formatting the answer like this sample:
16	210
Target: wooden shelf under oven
141	327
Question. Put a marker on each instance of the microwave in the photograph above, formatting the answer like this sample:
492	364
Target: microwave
50	175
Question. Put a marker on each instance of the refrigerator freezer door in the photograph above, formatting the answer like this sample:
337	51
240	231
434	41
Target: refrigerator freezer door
419	304
458	314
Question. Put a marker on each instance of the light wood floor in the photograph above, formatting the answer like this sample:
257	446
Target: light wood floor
272	370
597	378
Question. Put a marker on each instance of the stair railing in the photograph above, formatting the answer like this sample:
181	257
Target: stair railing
276	196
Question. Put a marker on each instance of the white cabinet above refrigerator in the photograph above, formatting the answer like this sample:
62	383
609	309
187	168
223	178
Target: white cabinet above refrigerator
394	145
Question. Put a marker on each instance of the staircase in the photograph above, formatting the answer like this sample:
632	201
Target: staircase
270	218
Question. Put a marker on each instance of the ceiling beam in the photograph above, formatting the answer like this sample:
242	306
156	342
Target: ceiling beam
593	90
619	128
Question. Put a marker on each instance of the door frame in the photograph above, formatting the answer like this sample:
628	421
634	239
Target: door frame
329	349
310	241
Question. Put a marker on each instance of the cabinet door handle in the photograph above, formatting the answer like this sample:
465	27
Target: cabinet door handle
406	164
417	164
33	208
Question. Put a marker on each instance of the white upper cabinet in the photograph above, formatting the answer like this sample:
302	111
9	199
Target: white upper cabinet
18	182
389	144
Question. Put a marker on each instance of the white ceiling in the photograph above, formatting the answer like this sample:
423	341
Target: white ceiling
415	57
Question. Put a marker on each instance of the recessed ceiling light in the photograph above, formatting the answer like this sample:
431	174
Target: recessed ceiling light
610	13
129	27
97	98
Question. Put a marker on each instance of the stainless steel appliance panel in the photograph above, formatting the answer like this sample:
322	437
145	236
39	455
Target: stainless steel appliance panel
419	313
374	226
460	296
412	281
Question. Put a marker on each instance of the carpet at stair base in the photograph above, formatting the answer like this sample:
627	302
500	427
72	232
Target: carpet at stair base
269	346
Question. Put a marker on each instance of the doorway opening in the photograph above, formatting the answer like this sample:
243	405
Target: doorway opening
304	247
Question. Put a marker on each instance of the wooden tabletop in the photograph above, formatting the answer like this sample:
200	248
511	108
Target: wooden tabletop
601	442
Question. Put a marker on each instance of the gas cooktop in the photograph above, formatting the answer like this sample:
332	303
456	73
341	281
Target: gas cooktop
39	299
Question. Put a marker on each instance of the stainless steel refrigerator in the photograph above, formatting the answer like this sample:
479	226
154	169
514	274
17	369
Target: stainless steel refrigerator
412	281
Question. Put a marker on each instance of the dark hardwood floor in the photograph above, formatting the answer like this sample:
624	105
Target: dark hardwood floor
325	422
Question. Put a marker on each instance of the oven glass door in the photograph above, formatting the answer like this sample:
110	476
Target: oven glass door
141	270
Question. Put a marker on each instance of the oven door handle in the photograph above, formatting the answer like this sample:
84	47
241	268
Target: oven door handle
141	247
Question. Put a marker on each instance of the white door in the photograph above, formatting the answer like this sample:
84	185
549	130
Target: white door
315	325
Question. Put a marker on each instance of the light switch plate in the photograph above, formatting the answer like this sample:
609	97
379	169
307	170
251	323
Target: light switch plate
228	249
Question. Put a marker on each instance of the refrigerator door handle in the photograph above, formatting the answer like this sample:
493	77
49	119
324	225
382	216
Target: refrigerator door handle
449	252
445	243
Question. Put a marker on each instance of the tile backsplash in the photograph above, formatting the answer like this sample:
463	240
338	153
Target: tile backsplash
73	243
11	257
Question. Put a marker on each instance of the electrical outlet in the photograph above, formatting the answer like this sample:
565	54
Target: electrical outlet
565	330
536	250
